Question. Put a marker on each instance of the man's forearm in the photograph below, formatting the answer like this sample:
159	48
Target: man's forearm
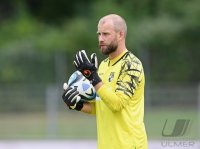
87	108
97	86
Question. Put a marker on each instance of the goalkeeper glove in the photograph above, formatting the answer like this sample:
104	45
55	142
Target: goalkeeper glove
86	67
71	98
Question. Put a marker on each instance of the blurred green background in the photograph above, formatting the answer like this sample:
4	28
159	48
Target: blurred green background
38	40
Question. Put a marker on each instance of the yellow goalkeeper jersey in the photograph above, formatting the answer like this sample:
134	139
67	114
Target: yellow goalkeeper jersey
120	111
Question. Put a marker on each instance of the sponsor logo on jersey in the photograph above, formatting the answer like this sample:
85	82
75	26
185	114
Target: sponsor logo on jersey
111	76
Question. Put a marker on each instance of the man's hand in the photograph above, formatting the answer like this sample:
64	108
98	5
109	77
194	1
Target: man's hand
86	67
83	64
71	98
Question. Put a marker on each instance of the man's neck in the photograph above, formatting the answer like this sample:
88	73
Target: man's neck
117	52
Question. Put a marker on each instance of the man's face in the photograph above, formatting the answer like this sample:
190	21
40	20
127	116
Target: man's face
107	37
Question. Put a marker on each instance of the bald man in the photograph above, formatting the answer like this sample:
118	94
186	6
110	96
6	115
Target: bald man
119	82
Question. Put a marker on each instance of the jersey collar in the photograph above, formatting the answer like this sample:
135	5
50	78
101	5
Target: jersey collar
115	60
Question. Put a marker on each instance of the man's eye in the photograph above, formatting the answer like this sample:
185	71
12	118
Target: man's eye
105	34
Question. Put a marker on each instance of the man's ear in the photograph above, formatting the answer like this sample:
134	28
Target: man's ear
121	35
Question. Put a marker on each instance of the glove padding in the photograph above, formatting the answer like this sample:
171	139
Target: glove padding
86	67
71	98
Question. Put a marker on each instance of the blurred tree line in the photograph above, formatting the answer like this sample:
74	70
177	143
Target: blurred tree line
38	39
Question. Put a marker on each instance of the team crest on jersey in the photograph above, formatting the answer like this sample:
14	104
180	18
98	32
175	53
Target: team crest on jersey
111	76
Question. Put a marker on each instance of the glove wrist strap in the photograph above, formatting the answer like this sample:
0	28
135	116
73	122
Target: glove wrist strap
78	107
94	79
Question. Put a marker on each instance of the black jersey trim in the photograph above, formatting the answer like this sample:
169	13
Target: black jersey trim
125	54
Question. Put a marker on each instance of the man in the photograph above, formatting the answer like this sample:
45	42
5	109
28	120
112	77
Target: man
119	83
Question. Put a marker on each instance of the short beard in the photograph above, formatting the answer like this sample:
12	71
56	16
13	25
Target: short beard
110	49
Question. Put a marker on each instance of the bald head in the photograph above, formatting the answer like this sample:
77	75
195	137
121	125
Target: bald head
118	22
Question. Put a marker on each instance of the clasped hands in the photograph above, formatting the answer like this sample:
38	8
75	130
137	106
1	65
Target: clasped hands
88	67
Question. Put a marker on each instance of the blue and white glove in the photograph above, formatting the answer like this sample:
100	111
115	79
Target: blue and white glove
71	98
87	67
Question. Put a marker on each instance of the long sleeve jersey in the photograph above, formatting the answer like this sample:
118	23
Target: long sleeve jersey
120	110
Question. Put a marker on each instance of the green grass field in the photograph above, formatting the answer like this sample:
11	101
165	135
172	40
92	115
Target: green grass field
76	125
155	119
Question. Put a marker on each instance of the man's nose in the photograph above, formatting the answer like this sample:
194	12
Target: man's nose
101	38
